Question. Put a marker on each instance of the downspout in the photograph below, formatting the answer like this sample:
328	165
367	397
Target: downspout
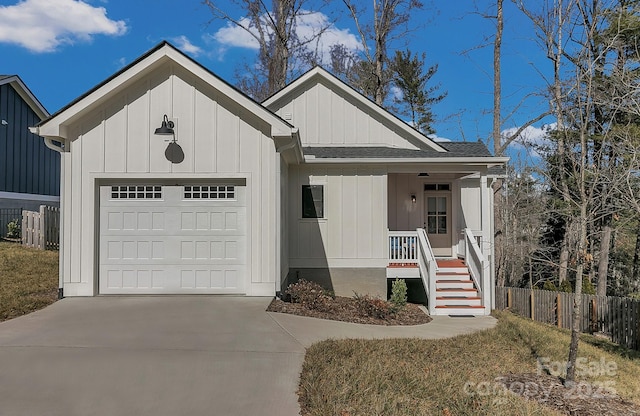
49	142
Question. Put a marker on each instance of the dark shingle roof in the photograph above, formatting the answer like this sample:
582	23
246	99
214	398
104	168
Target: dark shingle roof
454	149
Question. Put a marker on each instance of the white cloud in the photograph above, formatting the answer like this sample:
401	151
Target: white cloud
436	138
184	44
531	138
236	37
43	25
530	135
308	25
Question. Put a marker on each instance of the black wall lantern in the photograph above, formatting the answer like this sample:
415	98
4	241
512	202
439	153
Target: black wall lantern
166	128
174	153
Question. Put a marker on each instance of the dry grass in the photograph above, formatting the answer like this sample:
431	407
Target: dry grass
28	279
423	377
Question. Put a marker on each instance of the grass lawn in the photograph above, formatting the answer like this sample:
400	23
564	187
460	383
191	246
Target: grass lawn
28	279
453	376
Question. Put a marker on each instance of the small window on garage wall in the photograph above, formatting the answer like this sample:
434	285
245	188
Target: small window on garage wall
312	201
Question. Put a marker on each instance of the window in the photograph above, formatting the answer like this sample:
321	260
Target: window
312	201
136	192
210	192
437	187
436	215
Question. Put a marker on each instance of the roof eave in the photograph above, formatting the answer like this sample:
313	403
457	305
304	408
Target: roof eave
478	161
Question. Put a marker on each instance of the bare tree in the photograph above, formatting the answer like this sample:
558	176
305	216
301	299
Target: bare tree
390	22
550	21
273	27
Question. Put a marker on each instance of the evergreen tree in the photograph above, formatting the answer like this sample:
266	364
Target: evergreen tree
416	97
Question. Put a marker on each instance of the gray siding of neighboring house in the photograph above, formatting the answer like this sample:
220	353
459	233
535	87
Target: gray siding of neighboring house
26	164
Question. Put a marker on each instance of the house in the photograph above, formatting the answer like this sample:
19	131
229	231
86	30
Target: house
29	171
175	182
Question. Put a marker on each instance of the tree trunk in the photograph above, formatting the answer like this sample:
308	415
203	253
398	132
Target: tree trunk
603	263
499	218
636	259
564	258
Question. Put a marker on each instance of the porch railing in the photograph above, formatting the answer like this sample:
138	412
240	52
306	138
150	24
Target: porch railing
477	266
403	247
428	268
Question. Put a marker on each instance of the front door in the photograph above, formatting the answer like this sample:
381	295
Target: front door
437	221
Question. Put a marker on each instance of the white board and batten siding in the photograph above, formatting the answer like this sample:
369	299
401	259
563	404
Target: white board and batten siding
328	117
353	232
116	144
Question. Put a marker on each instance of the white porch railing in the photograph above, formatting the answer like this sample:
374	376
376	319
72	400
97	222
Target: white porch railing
403	247
428	268
478	266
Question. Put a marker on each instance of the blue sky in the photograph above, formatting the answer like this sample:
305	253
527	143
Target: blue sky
62	48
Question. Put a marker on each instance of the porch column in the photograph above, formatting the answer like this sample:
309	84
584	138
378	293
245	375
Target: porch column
487	238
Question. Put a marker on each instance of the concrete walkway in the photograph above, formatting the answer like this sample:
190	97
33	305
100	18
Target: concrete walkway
195	355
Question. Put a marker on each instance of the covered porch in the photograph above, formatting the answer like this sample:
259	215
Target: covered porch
439	229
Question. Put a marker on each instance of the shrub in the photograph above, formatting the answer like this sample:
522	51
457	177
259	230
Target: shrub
373	307
565	286
587	287
310	295
398	294
13	229
549	285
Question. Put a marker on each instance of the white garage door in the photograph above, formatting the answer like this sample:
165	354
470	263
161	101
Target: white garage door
158	239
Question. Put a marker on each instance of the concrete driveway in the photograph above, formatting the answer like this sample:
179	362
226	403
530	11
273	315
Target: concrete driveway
194	355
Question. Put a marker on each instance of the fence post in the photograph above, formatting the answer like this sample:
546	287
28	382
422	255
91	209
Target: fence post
533	316
559	310
509	304
42	228
594	316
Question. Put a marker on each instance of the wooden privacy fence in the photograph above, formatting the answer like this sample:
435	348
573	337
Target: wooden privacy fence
615	317
41	229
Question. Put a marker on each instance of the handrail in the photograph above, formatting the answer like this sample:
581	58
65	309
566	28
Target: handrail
428	268
475	260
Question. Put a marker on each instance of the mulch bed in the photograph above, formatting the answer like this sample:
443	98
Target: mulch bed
344	309
583	398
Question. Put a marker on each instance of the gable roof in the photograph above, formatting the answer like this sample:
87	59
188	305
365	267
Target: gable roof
55	126
319	74
26	94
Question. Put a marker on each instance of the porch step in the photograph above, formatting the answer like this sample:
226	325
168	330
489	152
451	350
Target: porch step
458	301
453	275
451	263
456	292
454	284
460	310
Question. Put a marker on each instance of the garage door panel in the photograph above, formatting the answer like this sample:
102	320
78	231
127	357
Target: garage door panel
168	245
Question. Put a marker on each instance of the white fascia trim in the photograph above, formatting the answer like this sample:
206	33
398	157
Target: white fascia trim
29	197
488	161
